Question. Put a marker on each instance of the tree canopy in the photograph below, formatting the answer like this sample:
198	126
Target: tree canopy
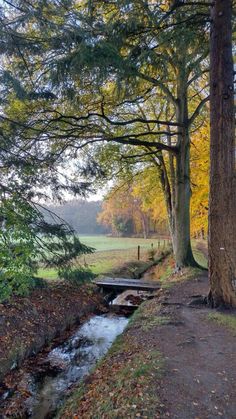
113	87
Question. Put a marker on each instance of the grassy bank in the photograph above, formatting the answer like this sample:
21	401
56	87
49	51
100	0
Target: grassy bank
227	320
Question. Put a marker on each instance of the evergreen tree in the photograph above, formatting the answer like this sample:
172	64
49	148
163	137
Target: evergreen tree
143	49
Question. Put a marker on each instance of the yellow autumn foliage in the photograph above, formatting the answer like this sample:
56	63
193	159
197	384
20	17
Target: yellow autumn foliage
143	196
200	160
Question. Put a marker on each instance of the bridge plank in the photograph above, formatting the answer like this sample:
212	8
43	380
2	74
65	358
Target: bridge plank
125	283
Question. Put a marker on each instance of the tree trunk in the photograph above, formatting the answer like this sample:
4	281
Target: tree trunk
181	209
144	222
177	196
167	192
182	191
222	205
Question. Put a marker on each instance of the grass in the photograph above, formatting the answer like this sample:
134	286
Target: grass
110	253
146	317
227	320
47	273
198	255
105	243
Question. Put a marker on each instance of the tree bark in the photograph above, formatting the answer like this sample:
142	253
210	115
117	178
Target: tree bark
177	191
182	190
145	228
181	209
222	201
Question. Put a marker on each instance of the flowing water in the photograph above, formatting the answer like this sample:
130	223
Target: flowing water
75	358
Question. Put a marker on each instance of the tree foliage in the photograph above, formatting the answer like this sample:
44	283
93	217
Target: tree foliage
27	241
120	85
126	211
121	72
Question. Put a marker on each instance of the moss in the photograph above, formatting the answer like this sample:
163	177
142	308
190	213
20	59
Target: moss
227	320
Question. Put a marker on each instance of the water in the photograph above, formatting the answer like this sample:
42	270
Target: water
76	357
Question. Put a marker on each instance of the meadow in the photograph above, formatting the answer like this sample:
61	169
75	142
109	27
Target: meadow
111	252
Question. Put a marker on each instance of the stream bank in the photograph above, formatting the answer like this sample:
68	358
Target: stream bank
30	324
27	324
172	361
40	386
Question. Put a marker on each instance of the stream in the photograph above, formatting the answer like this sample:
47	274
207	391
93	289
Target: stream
72	361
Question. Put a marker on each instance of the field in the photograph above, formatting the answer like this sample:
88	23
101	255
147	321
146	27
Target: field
105	243
111	252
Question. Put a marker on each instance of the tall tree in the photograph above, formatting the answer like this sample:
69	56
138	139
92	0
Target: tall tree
132	43
222	203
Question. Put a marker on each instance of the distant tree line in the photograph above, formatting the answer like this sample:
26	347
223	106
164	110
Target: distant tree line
81	215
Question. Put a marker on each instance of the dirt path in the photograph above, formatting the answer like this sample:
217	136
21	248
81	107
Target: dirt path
199	381
172	362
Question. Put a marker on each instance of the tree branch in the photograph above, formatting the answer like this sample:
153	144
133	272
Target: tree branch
159	84
134	142
112	122
196	76
198	110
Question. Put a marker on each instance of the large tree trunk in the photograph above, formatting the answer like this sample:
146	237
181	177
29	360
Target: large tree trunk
222	205
182	191
181	208
177	196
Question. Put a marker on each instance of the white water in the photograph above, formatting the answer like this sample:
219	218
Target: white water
77	356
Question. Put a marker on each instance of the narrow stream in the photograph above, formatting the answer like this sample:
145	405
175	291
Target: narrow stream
75	358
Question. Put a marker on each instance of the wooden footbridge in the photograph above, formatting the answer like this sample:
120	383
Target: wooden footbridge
121	284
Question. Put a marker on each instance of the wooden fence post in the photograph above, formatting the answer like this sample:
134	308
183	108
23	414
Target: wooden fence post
138	252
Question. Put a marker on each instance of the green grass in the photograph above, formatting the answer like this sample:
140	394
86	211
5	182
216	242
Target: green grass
198	255
110	253
47	273
101	243
228	320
